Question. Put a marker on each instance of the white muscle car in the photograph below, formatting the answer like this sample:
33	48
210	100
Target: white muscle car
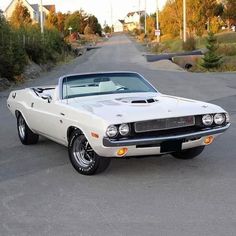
114	114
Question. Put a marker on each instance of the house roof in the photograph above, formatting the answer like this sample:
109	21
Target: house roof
35	7
13	1
133	12
50	7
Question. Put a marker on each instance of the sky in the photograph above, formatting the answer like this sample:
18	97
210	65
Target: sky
104	10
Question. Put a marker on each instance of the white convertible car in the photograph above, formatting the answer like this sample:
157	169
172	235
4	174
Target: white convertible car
114	114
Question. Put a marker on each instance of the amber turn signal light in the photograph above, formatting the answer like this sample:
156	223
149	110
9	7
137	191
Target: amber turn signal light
208	140
122	152
94	135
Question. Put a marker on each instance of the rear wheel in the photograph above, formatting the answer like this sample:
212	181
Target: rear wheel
83	158
188	153
26	136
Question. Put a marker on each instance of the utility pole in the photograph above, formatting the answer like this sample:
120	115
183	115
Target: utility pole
111	18
41	16
184	21
157	21
139	14
145	19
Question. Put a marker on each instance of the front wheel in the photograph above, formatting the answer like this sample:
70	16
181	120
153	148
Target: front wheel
83	158
26	136
188	153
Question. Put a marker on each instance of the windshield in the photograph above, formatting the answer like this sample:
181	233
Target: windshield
100	84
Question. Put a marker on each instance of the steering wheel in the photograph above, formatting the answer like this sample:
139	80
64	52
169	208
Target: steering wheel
122	88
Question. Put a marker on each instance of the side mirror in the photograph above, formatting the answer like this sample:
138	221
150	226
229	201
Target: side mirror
47	97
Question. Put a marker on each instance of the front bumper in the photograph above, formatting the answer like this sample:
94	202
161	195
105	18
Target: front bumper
156	140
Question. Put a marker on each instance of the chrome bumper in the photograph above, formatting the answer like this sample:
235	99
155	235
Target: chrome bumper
155	140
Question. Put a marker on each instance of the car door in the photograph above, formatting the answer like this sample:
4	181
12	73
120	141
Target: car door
46	118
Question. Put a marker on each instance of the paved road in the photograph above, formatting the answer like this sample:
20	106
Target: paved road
41	194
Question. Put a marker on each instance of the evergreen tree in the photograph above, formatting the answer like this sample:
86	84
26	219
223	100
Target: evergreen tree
211	59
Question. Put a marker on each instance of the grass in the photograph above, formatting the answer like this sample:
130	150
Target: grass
175	45
226	42
227	49
228	64
168	46
226	37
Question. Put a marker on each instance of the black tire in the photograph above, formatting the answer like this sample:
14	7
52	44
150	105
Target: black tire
27	137
188	153
82	156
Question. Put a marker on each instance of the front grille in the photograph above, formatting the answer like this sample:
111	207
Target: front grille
164	124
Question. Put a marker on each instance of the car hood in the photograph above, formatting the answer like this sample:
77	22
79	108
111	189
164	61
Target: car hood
124	108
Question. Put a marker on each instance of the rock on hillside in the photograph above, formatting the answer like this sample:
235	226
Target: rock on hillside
4	84
32	71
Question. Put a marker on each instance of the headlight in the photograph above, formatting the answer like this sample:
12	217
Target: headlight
124	129
112	131
207	120
219	119
227	119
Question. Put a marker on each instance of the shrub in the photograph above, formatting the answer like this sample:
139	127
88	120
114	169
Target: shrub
189	45
12	57
137	31
42	48
19	45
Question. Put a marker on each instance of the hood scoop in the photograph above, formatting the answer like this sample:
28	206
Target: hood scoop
137	100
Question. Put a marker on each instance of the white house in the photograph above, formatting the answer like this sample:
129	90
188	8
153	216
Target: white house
34	9
119	26
132	20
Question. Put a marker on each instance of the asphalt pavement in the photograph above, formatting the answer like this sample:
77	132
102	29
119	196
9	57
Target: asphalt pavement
41	193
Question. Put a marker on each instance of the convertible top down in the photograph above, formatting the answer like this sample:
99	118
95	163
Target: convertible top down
114	114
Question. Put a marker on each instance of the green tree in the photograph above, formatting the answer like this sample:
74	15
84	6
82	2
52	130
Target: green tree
76	20
20	16
94	25
211	59
107	29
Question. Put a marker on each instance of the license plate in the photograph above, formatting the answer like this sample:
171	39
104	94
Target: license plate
171	146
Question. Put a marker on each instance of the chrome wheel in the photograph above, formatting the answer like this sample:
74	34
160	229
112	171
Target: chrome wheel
21	127
83	153
82	156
